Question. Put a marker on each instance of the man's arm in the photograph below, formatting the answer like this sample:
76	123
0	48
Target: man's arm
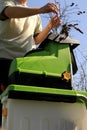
21	12
53	23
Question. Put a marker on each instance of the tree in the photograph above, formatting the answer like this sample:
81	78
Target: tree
80	79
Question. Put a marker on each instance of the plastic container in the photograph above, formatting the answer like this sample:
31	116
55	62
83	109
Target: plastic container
35	108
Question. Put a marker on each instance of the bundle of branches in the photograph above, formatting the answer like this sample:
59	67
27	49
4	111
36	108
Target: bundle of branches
65	13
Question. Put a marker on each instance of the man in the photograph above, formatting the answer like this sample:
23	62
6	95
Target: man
20	29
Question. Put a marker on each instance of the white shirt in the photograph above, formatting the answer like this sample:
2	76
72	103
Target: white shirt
16	35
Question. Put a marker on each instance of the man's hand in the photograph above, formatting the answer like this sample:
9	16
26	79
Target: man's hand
50	7
54	22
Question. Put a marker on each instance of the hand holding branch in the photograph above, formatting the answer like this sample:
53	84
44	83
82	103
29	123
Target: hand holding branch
50	7
54	22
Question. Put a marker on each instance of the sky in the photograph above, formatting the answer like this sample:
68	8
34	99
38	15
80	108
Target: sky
82	20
